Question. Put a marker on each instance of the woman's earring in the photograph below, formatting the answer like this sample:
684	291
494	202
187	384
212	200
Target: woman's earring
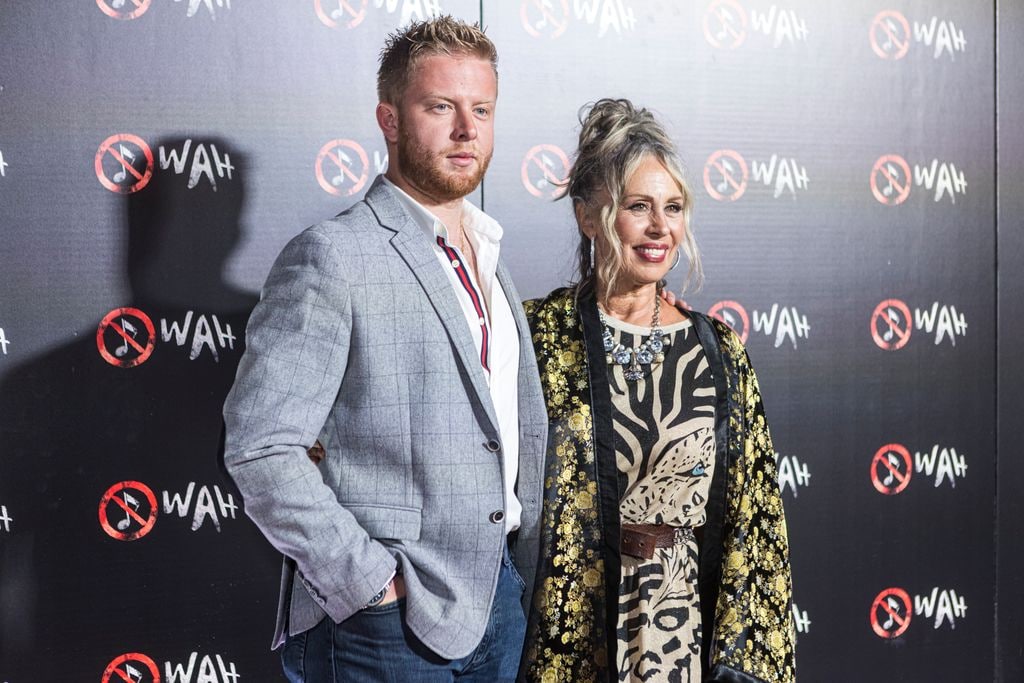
591	254
676	263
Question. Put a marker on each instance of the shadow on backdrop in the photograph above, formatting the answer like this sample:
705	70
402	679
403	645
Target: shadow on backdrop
77	422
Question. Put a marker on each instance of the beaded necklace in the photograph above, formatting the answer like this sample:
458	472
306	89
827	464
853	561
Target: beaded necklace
633	359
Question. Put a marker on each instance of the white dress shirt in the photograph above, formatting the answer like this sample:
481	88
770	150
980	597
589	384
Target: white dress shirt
492	326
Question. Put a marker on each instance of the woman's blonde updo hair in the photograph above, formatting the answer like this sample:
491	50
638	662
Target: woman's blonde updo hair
614	139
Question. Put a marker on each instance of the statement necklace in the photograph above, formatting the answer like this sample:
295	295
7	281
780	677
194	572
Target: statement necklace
635	360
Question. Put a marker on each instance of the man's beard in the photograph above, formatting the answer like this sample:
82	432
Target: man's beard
422	167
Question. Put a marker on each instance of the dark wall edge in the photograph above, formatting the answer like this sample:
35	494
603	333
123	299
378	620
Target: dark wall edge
1009	648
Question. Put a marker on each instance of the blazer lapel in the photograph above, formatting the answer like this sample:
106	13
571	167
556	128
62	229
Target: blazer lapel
413	246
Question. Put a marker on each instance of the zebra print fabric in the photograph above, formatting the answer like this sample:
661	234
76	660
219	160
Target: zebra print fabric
665	449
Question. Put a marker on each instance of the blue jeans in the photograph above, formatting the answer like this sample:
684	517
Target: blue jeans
375	646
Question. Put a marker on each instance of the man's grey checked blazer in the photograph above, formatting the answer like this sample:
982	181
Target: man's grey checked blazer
359	341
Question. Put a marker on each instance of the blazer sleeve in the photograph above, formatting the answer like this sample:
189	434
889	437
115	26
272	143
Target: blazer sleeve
297	344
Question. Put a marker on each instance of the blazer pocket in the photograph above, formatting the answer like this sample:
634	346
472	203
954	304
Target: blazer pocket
387	521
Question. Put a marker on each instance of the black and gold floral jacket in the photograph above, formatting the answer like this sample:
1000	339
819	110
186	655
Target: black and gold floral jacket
744	574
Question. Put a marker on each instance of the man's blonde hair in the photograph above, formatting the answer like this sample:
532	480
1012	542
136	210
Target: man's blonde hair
444	35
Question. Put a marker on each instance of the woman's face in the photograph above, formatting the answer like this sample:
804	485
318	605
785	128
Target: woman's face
650	224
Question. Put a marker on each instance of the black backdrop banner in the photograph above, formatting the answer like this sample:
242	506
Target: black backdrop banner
155	155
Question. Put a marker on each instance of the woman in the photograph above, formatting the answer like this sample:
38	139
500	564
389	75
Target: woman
664	555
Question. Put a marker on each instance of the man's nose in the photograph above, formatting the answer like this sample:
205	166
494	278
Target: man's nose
465	126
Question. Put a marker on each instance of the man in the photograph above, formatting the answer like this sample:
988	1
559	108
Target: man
392	338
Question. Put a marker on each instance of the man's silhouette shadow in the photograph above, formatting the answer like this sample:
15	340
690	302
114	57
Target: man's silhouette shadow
76	422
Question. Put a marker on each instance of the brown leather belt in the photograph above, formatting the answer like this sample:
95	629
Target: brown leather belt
640	540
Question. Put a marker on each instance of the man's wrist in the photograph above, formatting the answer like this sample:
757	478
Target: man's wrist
379	597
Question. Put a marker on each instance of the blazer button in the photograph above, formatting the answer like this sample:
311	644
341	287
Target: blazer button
497	517
492	446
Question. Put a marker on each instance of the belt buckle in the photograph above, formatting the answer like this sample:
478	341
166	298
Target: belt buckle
683	534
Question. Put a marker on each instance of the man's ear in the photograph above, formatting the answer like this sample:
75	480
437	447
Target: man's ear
387	119
584	219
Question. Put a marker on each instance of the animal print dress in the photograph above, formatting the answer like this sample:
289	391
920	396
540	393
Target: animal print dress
665	448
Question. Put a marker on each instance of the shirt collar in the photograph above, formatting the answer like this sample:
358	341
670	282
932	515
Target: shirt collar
475	221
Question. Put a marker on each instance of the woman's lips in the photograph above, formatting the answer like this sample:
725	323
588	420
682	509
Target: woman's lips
652	253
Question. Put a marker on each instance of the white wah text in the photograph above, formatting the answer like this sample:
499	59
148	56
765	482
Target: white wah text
194	5
784	24
792	473
202	334
943	605
204	507
209	164
419	10
942	178
943	35
606	14
786	323
801	620
944	321
785	174
215	670
945	465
